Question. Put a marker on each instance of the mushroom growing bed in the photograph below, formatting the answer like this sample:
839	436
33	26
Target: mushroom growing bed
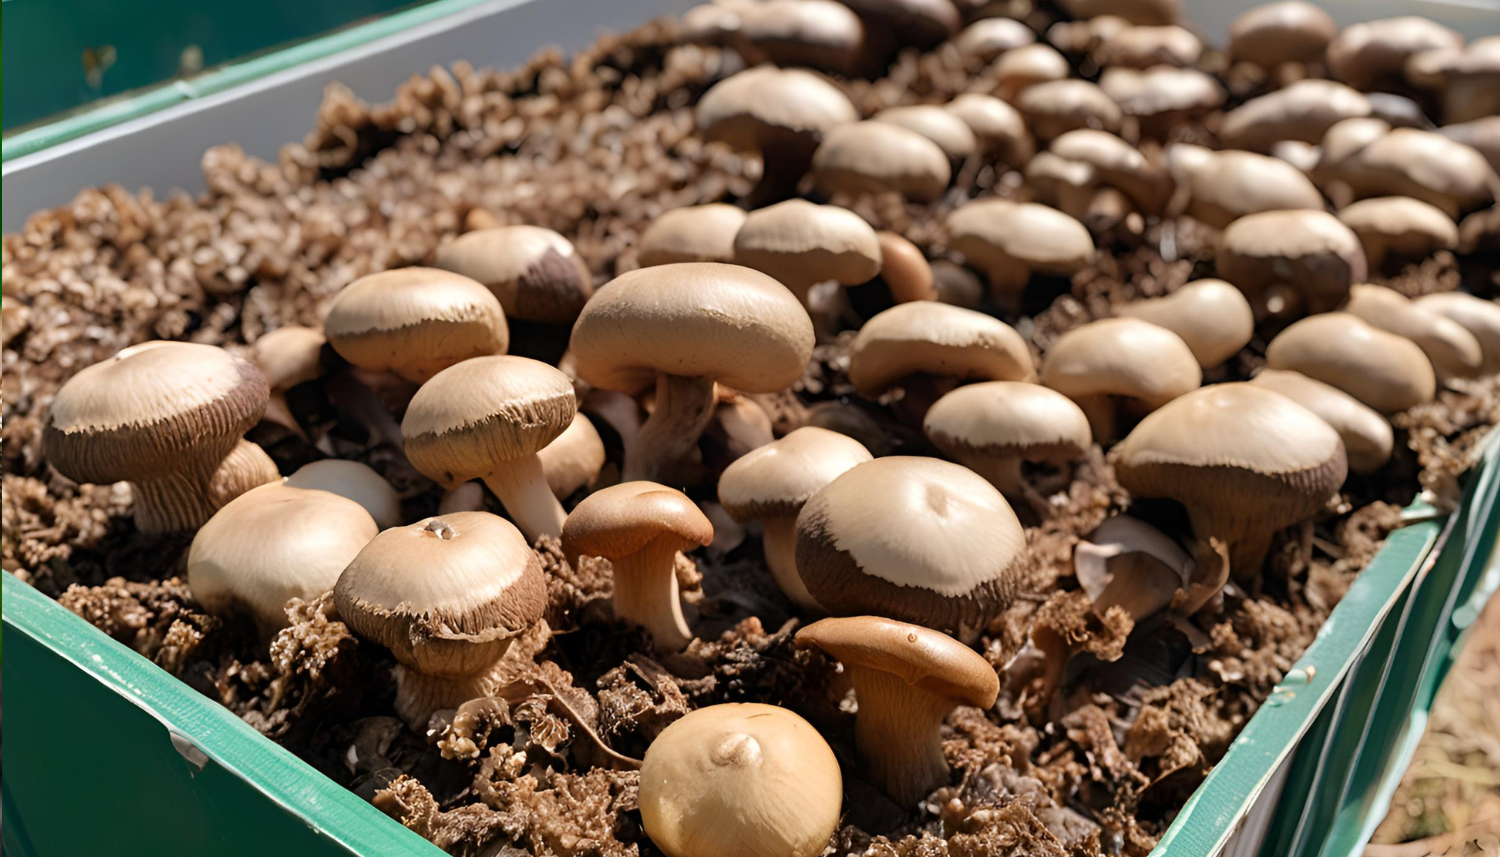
1014	430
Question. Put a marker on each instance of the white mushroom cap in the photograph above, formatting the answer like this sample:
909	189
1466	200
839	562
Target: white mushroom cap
1399	226
696	233
354	481
1211	316
1385	371
1368	438
1477	315
937	339
880	157
1224	186
802	244
1453	350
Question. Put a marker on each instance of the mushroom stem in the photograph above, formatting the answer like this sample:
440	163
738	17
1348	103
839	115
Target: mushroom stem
1007	282
1101	413
780	545
522	488
783	166
468	497
669	437
419	694
898	734
646	594
185	500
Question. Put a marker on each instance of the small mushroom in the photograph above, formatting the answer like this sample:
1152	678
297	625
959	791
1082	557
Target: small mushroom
906	679
904	269
1221	187
1372	55
907	23
573	461
997	126
1453	350
639	527
1291	262
879	157
272	544
352	481
1115	163
1084	36
1466	80
951	133
446	595
1385	371
1120	367
1163	96
1010	241
169	418
741	425
1291	31
1477	315
1029	65
536	273
1368	439
818	34
1399	226
1142	47
1142	12
801	244
697	233
287	356
1481	135
1211	316
487	418
1055	107
1419	164
988	38
740	780
1303	111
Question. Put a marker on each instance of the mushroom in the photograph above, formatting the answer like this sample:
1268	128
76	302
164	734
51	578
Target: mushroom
1010	241
1467	80
741	425
801	244
1372	55
904	269
1399	226
998	127
1385	371
859	553
1163	96
487	418
1368	439
1478	316
1452	349
1143	12
536	273
1115	163
446	595
697	233
1220	187
879	157
988	38
772	483
1055	107
1244	461
1211	316
1419	164
270	545
820	34
639	527
352	481
901	23
1285	32
573	461
740	780
1085	35
1481	135
1142	47
287	356
1303	111
781	114
1120	367
682	327
906	679
1291	262
951	133
1029	65
169	418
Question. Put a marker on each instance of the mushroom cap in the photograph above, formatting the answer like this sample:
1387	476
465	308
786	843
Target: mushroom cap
1367	54
1368	439
271	544
800	243
475	415
740	780
141	413
1477	315
819	34
1021	68
1006	419
415	322
923	658
1346	137
1450	347
905	269
1385	371
445	594
1481	135
988	38
1161	89
921	23
352	481
1276	33
877	157
1121	357
574	460
951	133
776	479
289	356
937	339
1211	316
858	551
1144	46
535	272
735	325
1422	165
696	233
997	126
1148	12
764	105
1116	163
1311	252
625	518
1303	111
1224	186
1401	226
998	232
1057	106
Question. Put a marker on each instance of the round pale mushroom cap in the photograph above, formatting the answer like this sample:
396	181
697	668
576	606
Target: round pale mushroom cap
152	409
1057	106
352	481
1368	439
1022	68
415	322
272	544
766	105
289	356
921	657
1303	111
778	478
1146	46
1385	371
1211	316
996	233
1146	12
1481	135
1276	33
800	243
1477	315
905	269
445	594
1422	165
1310	253
1008	419
951	133
697	233
1225	186
920	540
740	780
1345	138
1399	226
818	34
626	518
921	23
997	126
1116	163
1373	53
1161	90
1121	357
936	339
1453	351
880	157
574	460
732	324
535	272
988	38
475	415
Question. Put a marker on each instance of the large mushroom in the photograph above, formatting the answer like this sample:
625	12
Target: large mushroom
1284	32
1221	187
801	244
1120	368
1303	111
1211	316
1420	164
880	157
1477	315
535	272
1291	262
1368	438
1453	350
1389	373
1010	241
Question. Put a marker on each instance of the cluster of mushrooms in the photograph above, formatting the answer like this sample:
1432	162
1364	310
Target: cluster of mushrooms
896	562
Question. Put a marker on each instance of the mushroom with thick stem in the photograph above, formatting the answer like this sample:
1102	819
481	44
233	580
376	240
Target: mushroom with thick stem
695	233
772	483
1303	111
1389	373
1211	316
1477	315
169	418
639	527
1399	227
1453	350
1120	368
682	327
1291	262
906	679
1372	55
574	459
1368	438
802	244
446	595
287	356
998	127
1056	107
535	273
1010	241
353	481
1291	31
487	418
1221	187
879	157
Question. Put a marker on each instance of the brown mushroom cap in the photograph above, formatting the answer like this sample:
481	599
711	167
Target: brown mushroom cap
988	38
1146	12
1373	53
1480	317
1276	33
1289	260
1399	226
802	244
876	157
1422	165
759	105
415	322
997	126
1211	316
1146	46
1010	240
818	34
992	427
1453	350
905	269
1385	371
289	356
1055	107
1344	139
697	233
574	459
535	272
1303	111
951	133
1123	357
1225	186
1020	69
1481	135
1085	35
1368	439
1161	92
919	656
920	23
1116	163
352	481
936	339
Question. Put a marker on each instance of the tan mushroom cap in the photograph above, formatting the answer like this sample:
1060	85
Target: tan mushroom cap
1146	12
1389	373
352	481
997	126
1373	53
1453	350
626	518
1345	138
1161	91
988	38
1085	35
535	272
1008	419
921	23
748	109
801	244
1276	33
574	459
1280	259
905	269
272	544
877	157
1022	68
1477	315
740	780
1225	186
919	656
1146	46
819	34
1368	438
1211	316
1116	163
289	356
735	325
1481	135
998	235
951	133
1055	107
1121	357
936	339
1422	165
1399	226
696	233
778	478
859	553
415	322
1303	111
